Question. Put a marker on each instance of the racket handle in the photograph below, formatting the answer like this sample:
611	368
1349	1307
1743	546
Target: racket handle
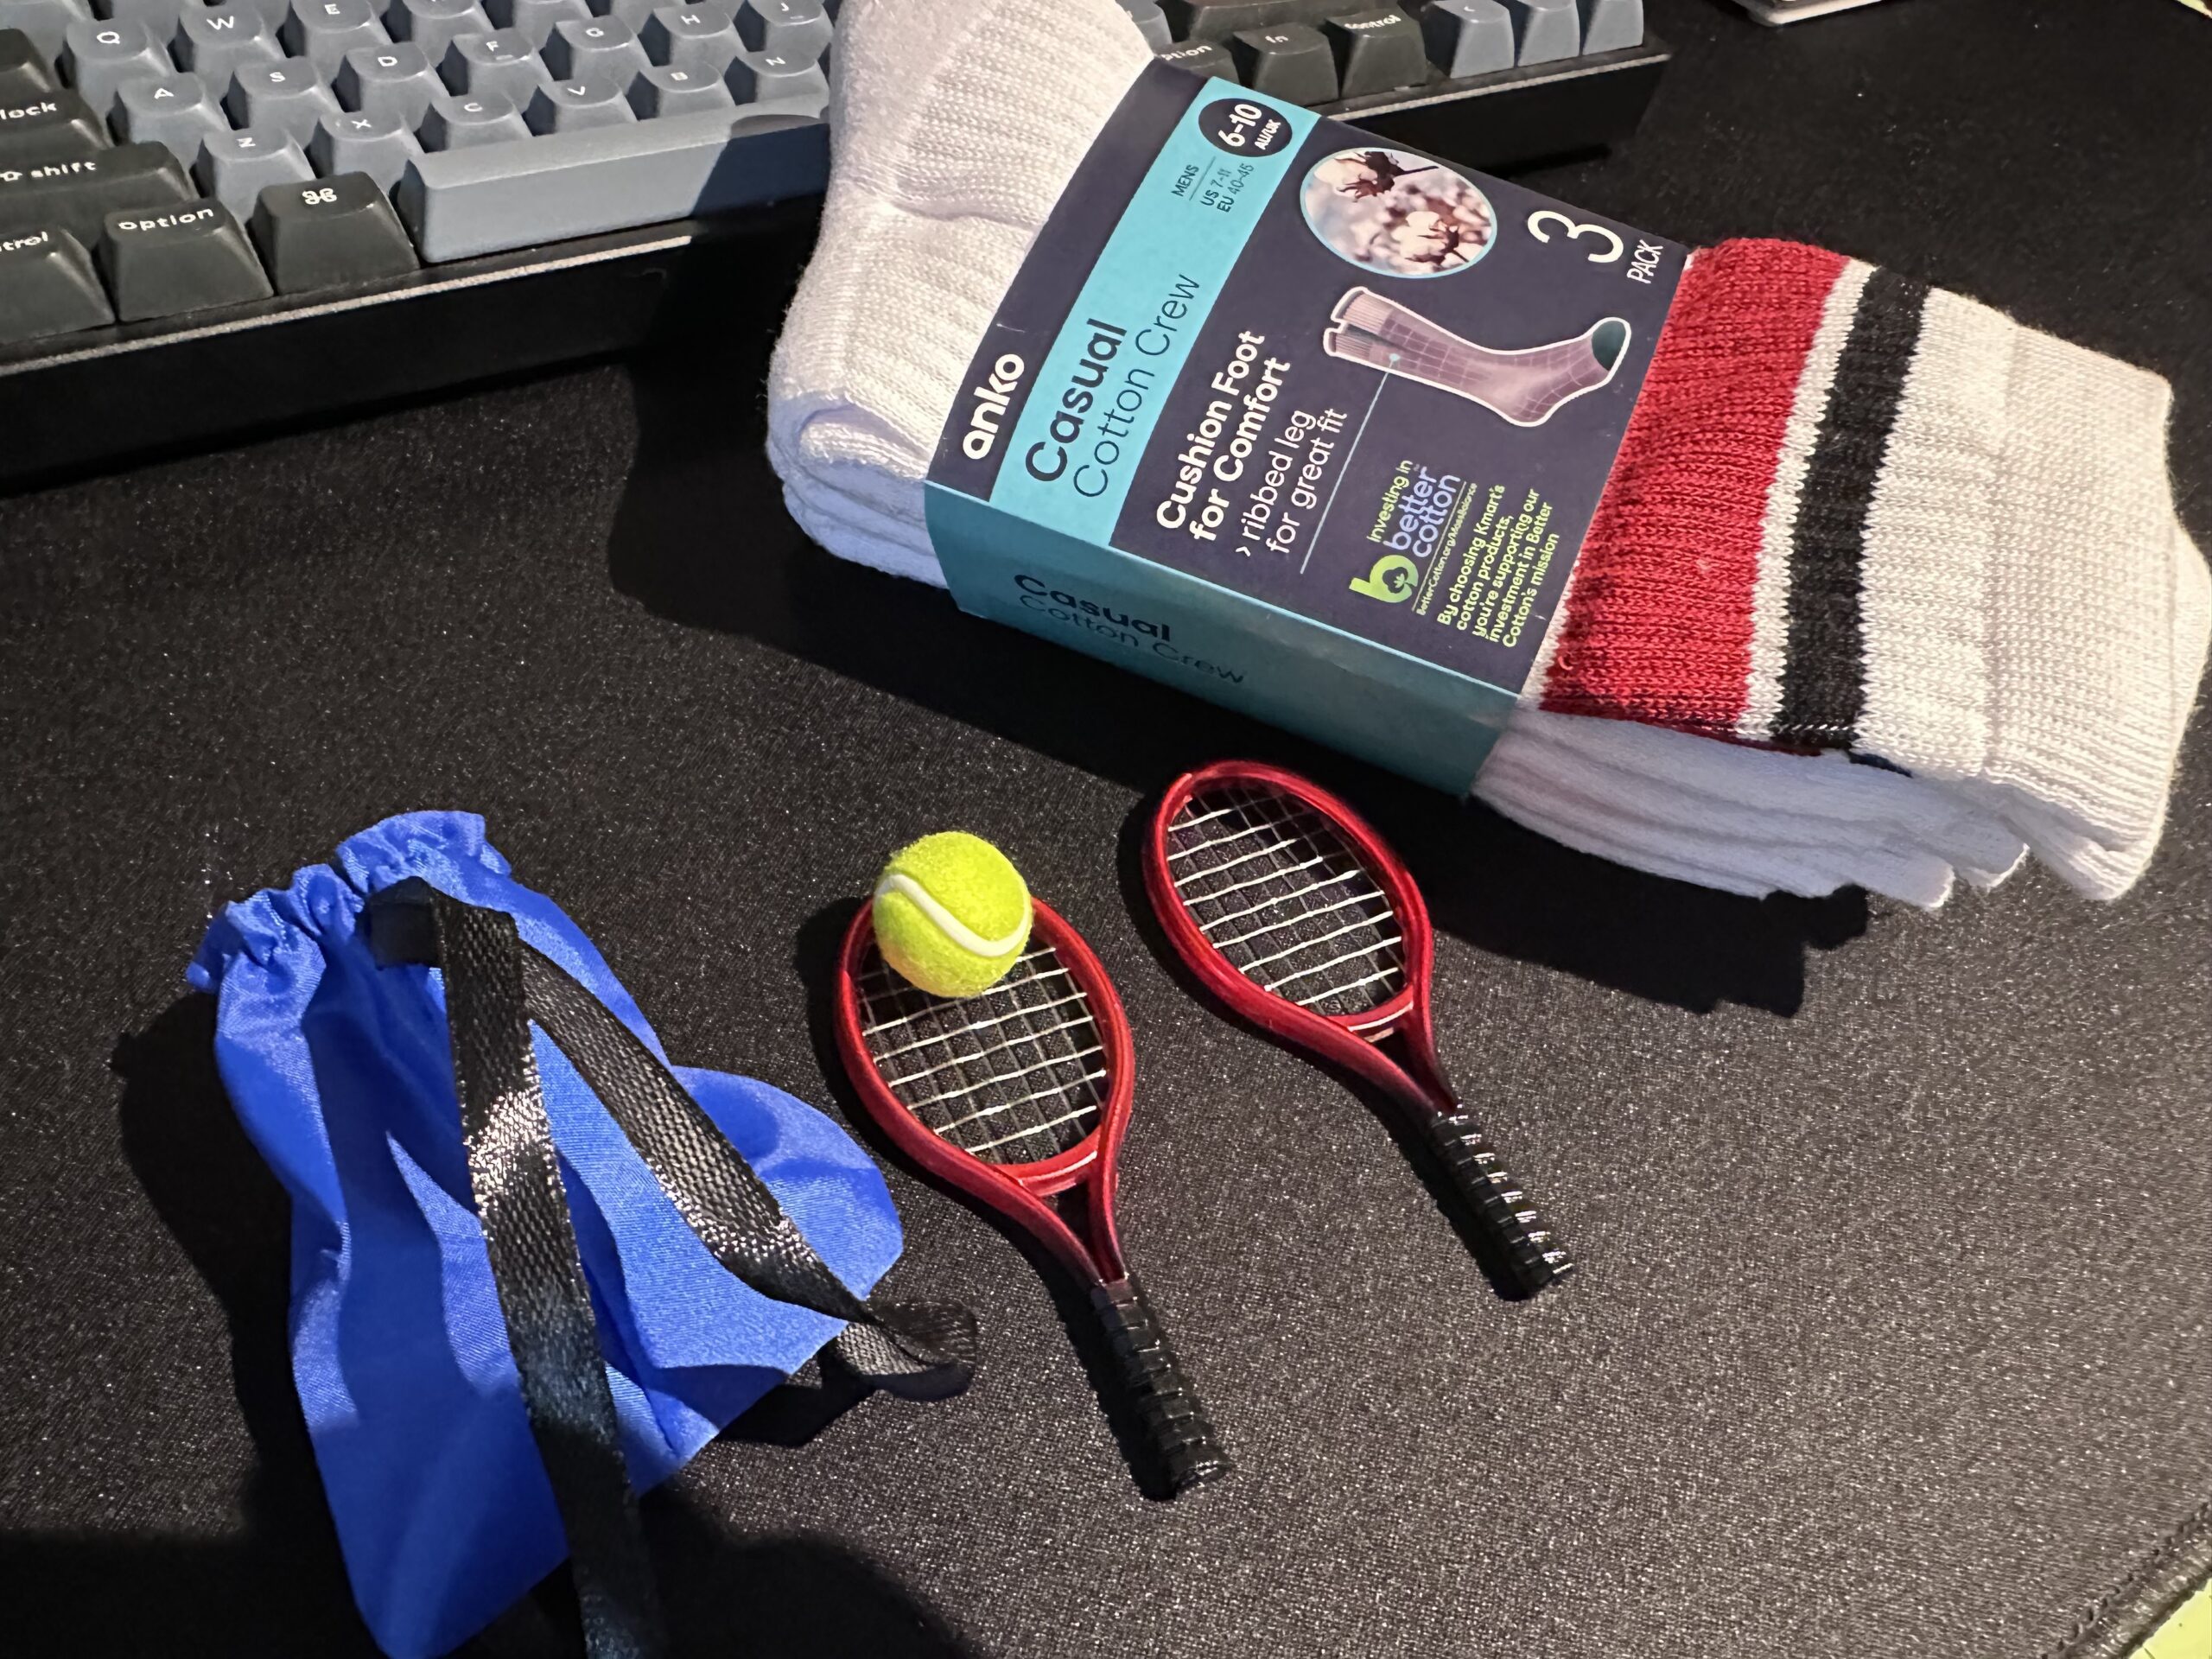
1535	1257
1174	1422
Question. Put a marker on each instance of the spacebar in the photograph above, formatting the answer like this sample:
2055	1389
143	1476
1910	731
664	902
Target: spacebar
488	197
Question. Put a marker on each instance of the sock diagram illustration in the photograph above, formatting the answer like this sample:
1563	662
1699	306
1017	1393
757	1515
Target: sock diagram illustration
1525	387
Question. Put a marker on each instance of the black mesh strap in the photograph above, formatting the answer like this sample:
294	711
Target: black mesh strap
924	1350
516	1179
495	986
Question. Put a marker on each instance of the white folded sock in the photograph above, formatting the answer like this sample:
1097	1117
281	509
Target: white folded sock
955	126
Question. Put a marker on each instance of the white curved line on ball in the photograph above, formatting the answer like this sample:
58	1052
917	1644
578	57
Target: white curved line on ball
950	925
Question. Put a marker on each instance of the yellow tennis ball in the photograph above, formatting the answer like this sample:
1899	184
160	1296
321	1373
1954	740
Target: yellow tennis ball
951	913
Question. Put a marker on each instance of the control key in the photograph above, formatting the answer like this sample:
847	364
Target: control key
1378	50
46	286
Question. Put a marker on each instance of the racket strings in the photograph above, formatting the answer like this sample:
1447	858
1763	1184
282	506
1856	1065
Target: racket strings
1015	1076
1278	890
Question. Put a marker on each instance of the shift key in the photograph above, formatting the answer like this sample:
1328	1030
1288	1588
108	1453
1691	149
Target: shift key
77	195
178	258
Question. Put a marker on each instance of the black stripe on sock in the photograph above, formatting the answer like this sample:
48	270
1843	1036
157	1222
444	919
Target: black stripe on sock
1823	677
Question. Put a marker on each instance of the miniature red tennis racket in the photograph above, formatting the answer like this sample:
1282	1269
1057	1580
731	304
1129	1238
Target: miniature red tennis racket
1296	914
1017	1096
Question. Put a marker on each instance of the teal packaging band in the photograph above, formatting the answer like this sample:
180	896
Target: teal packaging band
1308	424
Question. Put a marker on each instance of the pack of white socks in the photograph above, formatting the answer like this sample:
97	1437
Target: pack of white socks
1874	504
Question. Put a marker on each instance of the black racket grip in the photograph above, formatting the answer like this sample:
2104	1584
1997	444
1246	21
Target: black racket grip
1535	1257
1173	1419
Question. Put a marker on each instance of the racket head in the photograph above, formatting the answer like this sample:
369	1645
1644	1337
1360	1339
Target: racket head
1011	1096
1295	913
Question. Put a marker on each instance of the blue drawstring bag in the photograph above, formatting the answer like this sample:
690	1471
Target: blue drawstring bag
438	1404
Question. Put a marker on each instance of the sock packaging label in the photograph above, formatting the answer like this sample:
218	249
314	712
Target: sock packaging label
1308	424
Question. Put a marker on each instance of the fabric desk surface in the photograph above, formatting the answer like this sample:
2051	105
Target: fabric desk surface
1892	1334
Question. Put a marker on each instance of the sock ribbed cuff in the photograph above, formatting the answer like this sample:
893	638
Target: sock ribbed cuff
1794	542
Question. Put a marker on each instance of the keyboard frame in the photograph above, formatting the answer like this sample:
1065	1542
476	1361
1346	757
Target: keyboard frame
85	402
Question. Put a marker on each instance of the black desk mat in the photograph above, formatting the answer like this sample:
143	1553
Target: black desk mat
1892	1338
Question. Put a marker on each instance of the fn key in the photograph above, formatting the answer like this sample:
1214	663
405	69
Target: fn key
325	231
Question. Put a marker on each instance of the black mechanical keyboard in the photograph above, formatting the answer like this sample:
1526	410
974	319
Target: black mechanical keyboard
215	218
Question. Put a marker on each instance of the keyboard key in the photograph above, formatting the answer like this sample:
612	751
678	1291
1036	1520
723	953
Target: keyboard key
47	286
605	47
484	199
572	105
503	62
330	230
456	122
187	258
797	29
665	90
1468	37
25	73
176	110
160	16
377	145
45	23
1378	50
632	12
214	42
324	31
48	127
77	195
1217	20
691	37
235	168
1612	25
434	25
534	19
395	80
1202	58
770	78
100	57
1544	31
289	94
1292	63
1151	24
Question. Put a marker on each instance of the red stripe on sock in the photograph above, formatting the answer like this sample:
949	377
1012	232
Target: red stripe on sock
1658	623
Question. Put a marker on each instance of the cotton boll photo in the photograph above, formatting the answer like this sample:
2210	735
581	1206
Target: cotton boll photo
1399	213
